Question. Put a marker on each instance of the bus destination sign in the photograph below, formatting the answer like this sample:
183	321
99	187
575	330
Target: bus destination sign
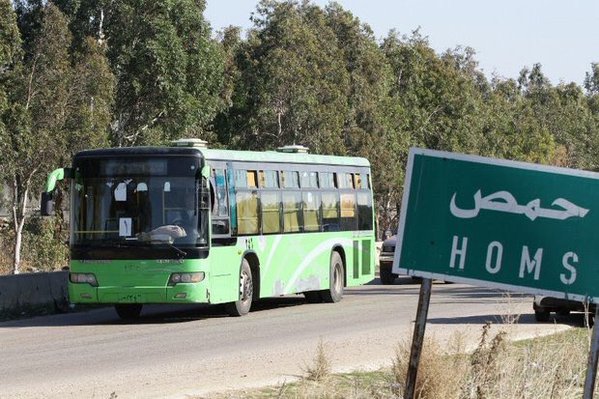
504	224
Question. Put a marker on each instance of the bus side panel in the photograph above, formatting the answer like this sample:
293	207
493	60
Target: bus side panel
292	263
295	263
225	263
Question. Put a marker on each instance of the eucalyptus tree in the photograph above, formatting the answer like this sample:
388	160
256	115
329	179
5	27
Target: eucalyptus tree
36	114
295	84
368	130
563	111
434	101
10	50
56	103
510	126
168	69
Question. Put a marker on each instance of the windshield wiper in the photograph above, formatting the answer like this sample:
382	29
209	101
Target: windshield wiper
178	250
168	243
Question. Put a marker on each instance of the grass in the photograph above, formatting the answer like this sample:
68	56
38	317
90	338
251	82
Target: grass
551	367
320	369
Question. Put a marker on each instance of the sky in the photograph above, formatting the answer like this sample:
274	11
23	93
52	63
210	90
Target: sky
507	35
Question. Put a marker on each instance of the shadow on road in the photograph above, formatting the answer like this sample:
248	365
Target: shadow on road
151	314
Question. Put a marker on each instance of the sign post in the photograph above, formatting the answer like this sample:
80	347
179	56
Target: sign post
418	338
589	381
501	224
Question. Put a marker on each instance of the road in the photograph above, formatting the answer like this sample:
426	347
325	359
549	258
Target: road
176	352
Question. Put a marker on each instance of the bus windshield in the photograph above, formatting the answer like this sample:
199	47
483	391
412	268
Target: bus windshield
137	202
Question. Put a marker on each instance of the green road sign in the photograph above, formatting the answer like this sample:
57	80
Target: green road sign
502	224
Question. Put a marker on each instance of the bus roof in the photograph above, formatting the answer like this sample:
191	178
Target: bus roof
275	156
230	155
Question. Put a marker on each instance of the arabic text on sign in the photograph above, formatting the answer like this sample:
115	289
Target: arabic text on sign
503	201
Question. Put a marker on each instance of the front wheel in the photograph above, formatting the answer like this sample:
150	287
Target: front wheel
336	281
128	311
242	306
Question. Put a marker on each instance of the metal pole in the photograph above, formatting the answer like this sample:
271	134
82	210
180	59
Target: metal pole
589	381
418	338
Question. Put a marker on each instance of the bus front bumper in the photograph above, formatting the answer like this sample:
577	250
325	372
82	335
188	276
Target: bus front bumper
180	293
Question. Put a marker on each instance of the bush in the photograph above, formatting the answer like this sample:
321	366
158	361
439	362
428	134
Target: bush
44	244
441	372
6	249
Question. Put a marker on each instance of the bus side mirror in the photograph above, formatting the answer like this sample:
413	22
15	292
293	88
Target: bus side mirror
47	204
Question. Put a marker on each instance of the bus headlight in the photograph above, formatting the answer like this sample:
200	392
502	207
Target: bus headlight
83	278
176	278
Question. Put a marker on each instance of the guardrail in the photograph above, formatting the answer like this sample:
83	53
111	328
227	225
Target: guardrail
24	292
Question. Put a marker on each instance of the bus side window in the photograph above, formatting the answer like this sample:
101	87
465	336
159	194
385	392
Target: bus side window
252	179
358	181
220	207
311	210
330	211
291	211
348	211
364	210
345	181
326	180
290	179
270	203
247	212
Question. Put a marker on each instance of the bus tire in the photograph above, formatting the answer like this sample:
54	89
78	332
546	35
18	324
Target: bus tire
242	306
336	280
129	311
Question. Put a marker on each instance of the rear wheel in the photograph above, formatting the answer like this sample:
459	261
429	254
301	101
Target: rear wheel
242	306
128	311
336	280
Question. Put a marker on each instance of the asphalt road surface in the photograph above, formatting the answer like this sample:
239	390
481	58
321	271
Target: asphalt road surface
177	352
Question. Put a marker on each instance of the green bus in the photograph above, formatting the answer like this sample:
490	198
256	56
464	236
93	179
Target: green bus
191	224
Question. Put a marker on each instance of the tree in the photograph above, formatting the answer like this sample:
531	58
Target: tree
36	114
168	70
433	102
294	81
368	128
91	99
10	50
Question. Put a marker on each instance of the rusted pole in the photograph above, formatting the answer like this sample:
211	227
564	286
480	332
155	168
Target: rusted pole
589	382
418	338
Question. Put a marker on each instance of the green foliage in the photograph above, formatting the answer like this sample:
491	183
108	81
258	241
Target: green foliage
45	244
10	50
168	70
93	87
294	83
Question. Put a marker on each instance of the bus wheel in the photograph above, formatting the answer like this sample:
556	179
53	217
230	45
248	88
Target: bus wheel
335	291
242	306
128	311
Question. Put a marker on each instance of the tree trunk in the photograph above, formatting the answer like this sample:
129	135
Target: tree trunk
18	245
20	194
